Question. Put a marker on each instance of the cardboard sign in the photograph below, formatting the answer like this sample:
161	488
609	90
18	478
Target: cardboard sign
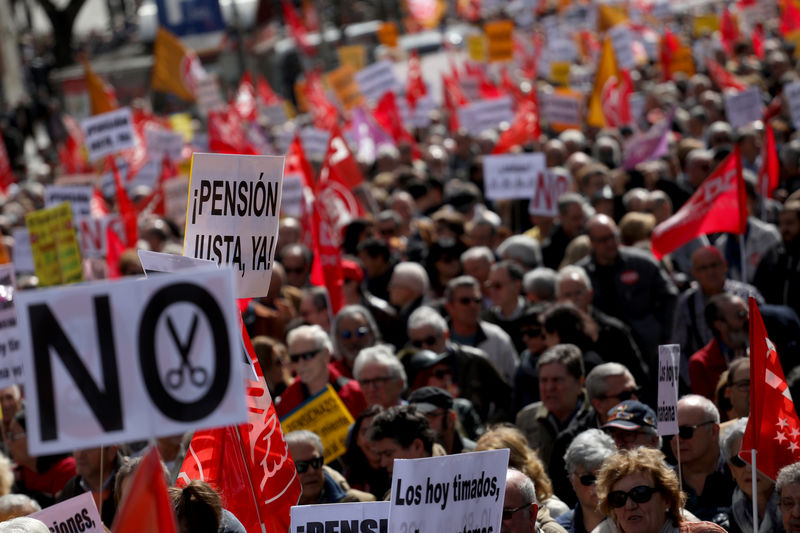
559	72
161	142
387	34
292	195
485	114
108	133
354	55
130	360
548	187
366	517
499	40
54	245
23	254
420	117
234	208
669	356
622	42
325	415
344	85
682	61
78	196
93	234
158	262
791	93
76	514
463	492
10	365
562	109
476	46
315	142
176	192
511	176
744	107
208	94
377	79
705	24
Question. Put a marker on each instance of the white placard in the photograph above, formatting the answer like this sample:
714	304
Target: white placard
108	133
622	41
561	108
744	107
377	79
10	363
315	142
292	195
233	213
276	114
511	176
365	517
176	192
548	187
471	87
159	262
463	492
147	176
561	50
668	376
486	114
161	142
93	234
22	253
111	362
76	514
78	196
208	94
791	92
421	116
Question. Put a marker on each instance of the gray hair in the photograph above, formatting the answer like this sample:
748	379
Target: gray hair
707	405
521	248
575	136
313	332
427	316
18	505
541	282
568	199
589	450
570	271
381	354
524	484
788	475
596	385
733	435
350	311
23	524
637	193
478	252
413	274
459	282
305	436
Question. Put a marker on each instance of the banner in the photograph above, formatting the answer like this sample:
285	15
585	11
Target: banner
669	356
744	107
325	415
548	187
233	216
362	517
54	246
511	176
108	133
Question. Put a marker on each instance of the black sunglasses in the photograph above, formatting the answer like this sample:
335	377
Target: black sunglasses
640	494
466	300
427	341
737	461
302	466
305	356
531	332
587	480
361	332
626	395
687	432
508	513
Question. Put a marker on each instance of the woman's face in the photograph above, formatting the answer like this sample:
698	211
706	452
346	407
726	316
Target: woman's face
743	475
583	483
366	445
646	517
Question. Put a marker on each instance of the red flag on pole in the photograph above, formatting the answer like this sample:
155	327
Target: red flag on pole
722	78
244	102
323	112
757	36
297	164
146	505
126	210
728	30
769	173
296	27
265	93
669	45
615	99
226	134
773	429
523	129
387	115
718	205
6	173
415	87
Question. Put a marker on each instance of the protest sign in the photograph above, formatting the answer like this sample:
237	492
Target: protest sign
354	55
93	232
276	114
158	262
791	92
705	24
622	41
292	195
233	215
23	255
54	245
363	517
668	375
325	415
10	365
377	79
176	192
511	176
547	188
562	109
459	493
744	107
485	114
108	133
76	514
499	40
208	94
476	46
315	142
559	72
130	360
420	117
682	61
161	142
78	196
345	87
387	34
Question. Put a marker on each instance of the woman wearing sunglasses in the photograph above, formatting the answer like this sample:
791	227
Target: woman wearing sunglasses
640	494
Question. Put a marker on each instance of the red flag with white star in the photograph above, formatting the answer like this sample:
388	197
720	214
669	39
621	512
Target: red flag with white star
773	428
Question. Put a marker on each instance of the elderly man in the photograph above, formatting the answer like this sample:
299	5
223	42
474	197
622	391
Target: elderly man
402	432
310	351
296	260
438	406
572	209
539	285
629	285
607	385
521	511
96	472
504	287
463	304
315	307
408	288
477	262
11	403
321	484
706	482
777	275
632	424
788	489
476	378
381	375
353	330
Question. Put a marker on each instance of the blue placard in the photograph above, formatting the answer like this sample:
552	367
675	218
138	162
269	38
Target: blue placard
190	17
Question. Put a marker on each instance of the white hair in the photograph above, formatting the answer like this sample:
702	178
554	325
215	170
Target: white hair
704	403
314	333
23	525
414	274
427	316
381	354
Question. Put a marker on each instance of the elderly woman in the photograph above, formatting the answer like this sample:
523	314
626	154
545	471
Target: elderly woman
640	494
583	459
741	514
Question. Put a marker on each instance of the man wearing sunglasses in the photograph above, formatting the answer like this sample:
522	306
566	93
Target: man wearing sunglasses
632	424
706	478
521	508
353	330
607	385
504	287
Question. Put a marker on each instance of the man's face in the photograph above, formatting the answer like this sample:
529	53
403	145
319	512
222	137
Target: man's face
709	269
442	421
313	370
10	401
477	268
87	462
739	391
465	305
573	290
296	270
312	479
789	225
585	487
790	507
400	292
734	329
354	334
533	337
389	449
378	385
573	220
522	520
313	316
704	440
620	388
629	439
501	288
427	338
558	389
604	241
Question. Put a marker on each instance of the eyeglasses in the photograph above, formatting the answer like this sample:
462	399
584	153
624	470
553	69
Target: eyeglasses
640	494
625	395
305	356
302	466
360	333
531	332
374	381
508	513
466	300
687	432
587	480
430	340
737	461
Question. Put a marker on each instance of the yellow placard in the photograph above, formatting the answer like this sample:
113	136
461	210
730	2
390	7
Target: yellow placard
54	244
559	72
705	23
354	55
682	61
182	123
387	34
344	85
325	415
476	45
500	41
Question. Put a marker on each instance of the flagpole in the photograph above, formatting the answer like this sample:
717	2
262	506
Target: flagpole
754	484
680	468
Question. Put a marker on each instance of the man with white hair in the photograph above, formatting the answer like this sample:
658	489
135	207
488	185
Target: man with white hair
381	375
477	262
15	505
408	287
788	488
23	525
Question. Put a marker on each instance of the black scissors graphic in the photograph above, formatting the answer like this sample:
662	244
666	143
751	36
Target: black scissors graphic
197	374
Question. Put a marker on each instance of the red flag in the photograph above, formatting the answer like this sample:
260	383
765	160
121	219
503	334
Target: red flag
266	94
126	210
722	78
769	173
453	99
718	205
244	102
6	173
523	129
146	506
669	45
388	117
728	30
323	112
488	90
757	37
226	134
415	87
296	27
616	100
71	153
773	428
297	164
790	18
97	205
114	249
340	165
249	465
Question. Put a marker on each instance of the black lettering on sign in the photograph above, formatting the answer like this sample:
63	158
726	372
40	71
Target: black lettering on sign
148	358
46	333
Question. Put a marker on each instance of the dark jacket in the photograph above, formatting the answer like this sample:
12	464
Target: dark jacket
526	383
480	382
778	275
